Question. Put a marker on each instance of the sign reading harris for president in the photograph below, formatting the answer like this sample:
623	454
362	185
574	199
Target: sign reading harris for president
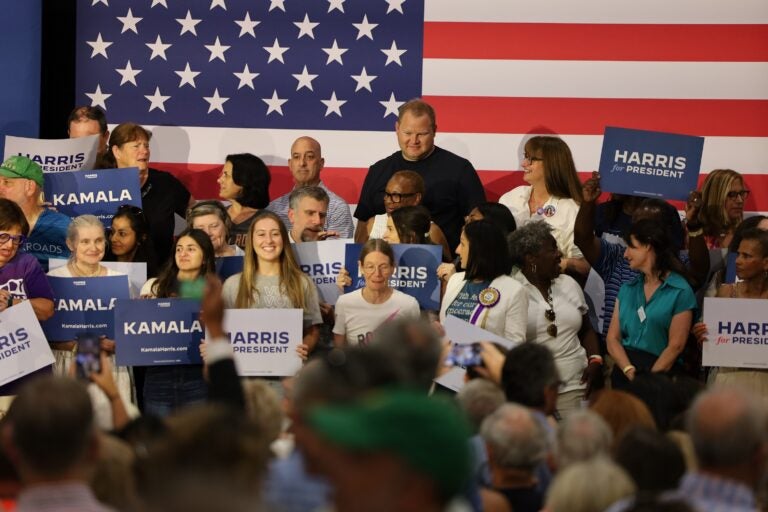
264	341
737	333
84	304
650	164
153	332
321	261
98	192
415	273
55	155
23	347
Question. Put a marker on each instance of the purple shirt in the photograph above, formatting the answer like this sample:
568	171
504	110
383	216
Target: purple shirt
24	278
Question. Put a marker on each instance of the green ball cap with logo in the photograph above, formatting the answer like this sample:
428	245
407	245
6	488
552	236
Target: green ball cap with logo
22	167
429	434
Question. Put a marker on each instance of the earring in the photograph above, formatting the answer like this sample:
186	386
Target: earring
533	268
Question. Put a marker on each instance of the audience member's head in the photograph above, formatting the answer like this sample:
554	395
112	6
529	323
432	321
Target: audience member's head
414	347
307	212
728	428
621	411
245	178
408	225
483	251
416	127
404	188
113	481
263	407
581	436
515	439
306	162
589	486
211	458
529	377
654	461
398	450
50	432
479	398
86	120
21	181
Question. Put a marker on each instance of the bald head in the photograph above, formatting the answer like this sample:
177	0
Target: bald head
728	427
306	162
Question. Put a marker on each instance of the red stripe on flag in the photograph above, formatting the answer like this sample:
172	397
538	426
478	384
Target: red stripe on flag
200	179
590	116
560	41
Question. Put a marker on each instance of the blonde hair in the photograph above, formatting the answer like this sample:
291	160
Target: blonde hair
292	279
714	192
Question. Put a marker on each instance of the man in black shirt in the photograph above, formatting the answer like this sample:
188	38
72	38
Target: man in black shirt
452	185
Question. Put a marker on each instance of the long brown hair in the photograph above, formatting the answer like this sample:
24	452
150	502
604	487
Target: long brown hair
560	175
292	279
167	283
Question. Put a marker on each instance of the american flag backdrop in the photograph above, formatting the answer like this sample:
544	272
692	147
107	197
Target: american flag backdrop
213	77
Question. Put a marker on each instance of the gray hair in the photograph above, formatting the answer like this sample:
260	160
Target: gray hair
515	438
415	348
582	436
479	398
203	208
527	239
315	192
589	486
727	426
82	221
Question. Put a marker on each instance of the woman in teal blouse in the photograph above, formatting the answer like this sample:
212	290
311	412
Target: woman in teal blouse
654	312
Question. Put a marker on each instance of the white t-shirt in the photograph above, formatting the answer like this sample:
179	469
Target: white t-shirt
270	295
357	318
562	219
569	306
63	271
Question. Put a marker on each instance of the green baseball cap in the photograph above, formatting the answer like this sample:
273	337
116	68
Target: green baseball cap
22	167
429	434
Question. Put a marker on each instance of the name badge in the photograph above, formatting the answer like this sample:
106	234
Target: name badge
641	313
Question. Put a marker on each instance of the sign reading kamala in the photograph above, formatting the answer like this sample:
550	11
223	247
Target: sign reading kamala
737	333
321	261
157	332
415	273
23	347
650	164
55	155
98	192
84	304
264	341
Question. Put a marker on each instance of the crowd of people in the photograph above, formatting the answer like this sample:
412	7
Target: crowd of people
570	414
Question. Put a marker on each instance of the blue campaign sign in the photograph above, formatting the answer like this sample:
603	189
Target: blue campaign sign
84	305
650	164
415	273
98	192
228	266
151	332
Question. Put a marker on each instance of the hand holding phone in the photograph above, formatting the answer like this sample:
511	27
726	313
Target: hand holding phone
88	355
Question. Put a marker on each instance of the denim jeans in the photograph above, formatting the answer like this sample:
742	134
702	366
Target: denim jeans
167	388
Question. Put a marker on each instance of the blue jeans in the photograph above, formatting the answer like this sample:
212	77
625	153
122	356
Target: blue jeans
167	388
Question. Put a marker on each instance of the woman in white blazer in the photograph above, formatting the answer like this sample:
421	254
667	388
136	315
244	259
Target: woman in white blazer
484	294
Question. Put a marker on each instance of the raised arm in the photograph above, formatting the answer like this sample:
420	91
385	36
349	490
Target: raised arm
584	229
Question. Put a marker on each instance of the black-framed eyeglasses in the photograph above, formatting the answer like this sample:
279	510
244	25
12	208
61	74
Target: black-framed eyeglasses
549	314
396	198
532	159
16	240
743	194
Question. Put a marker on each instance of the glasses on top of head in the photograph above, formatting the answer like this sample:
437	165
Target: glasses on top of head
396	198
743	194
16	240
549	314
